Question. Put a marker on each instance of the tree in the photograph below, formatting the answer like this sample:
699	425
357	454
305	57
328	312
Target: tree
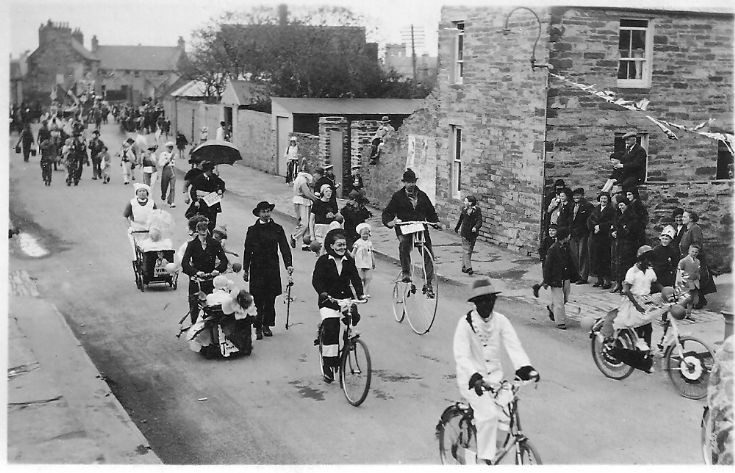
312	53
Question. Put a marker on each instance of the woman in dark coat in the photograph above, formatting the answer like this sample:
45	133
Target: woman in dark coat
626	232
354	213
693	235
260	266
600	225
333	274
640	210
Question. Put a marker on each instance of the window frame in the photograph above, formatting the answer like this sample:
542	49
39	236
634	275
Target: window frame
456	160
645	81
458	63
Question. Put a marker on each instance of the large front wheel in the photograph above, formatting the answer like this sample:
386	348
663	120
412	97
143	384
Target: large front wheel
422	296
356	371
527	454
689	364
603	353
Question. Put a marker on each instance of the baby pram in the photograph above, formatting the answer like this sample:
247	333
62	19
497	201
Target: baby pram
151	261
216	334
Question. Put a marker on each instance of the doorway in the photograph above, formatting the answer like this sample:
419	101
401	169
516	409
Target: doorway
336	145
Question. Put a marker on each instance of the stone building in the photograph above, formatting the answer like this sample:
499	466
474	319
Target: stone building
398	59
505	131
128	73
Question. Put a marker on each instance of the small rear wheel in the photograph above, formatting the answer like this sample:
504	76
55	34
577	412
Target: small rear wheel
689	364
456	434
355	371
604	357
527	454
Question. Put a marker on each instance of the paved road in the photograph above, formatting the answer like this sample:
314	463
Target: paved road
273	406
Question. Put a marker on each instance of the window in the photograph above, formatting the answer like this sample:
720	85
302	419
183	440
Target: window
458	72
724	162
619	147
456	150
635	46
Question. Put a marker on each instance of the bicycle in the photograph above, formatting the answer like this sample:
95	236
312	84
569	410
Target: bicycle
457	434
418	307
688	360
355	368
201	297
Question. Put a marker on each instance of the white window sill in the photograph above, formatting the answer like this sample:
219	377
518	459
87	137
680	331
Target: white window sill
633	84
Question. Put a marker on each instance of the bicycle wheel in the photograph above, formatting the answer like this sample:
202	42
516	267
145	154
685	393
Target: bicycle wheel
602	354
422	297
457	439
689	364
356	371
400	289
527	454
706	436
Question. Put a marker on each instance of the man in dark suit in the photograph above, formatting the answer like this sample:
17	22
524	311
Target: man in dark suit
633	162
410	204
678	215
581	210
260	266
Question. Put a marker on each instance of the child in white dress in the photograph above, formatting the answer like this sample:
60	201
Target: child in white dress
362	253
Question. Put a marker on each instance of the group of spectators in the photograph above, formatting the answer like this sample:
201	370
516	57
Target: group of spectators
149	117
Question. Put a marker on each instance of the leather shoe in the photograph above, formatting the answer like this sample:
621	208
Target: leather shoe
267	332
536	288
258	334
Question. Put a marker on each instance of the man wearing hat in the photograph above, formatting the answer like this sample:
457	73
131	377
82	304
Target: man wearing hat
203	255
95	148
166	161
581	210
292	159
633	162
383	130
357	182
260	266
76	159
478	339
407	204
202	185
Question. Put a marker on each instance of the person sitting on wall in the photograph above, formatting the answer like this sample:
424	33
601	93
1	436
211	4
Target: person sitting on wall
632	163
383	130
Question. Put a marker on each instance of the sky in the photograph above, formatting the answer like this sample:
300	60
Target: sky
161	22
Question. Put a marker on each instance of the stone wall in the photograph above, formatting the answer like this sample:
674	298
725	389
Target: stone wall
361	135
253	136
712	200
500	107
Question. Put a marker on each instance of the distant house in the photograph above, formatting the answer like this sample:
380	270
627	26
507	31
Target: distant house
398	59
128	73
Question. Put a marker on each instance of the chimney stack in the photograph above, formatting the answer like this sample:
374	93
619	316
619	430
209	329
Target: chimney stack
95	44
78	35
181	43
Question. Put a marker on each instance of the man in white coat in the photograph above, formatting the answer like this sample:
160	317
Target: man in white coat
477	343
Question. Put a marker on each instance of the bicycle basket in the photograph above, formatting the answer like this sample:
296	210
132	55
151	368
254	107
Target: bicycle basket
412	228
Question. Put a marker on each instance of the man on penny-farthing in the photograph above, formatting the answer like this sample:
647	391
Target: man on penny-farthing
411	204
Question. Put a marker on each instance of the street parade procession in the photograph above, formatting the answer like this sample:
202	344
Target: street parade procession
295	240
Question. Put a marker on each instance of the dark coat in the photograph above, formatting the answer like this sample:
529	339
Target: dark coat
578	223
469	219
353	215
204	182
600	242
543	249
207	260
260	258
565	215
664	261
558	266
634	166
326	279
692	235
400	206
679	234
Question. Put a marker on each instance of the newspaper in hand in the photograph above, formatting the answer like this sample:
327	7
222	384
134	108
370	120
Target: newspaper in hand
212	198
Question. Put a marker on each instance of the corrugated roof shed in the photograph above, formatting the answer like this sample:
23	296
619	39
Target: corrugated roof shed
139	58
241	92
318	106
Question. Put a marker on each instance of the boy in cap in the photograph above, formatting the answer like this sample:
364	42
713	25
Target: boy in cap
559	272
468	226
478	339
95	147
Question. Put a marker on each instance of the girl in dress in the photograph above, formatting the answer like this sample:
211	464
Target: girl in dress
362	253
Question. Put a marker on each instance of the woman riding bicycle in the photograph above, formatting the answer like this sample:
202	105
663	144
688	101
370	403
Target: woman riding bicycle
477	342
333	274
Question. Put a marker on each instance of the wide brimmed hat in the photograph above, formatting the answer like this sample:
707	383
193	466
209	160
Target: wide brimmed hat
482	287
263	205
409	176
630	134
385	118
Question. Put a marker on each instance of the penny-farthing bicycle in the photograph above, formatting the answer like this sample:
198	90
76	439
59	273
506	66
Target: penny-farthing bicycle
418	298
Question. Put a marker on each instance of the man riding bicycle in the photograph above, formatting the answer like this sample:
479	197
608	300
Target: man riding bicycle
411	204
477	342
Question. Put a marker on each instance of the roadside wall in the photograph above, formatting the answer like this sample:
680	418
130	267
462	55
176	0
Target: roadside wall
253	136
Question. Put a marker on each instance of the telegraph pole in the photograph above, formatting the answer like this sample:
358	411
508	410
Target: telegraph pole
413	56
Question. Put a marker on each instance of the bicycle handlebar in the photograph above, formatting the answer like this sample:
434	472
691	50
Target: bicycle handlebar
206	277
410	222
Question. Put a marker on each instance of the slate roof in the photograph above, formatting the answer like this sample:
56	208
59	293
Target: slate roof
192	88
318	106
138	58
243	90
84	52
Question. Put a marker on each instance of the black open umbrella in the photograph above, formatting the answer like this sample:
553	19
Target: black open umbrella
216	152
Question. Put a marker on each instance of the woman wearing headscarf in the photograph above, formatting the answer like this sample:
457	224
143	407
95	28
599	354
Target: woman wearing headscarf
138	212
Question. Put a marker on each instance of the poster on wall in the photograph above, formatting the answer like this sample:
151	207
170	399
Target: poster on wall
421	157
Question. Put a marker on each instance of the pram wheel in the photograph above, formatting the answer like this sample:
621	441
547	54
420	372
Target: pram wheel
138	281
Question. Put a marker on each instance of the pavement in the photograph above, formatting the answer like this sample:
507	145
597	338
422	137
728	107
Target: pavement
511	272
60	409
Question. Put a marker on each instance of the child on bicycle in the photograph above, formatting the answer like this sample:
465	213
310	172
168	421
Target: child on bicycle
334	271
477	343
362	253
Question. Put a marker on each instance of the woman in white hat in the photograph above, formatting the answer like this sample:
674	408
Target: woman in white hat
138	211
478	339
